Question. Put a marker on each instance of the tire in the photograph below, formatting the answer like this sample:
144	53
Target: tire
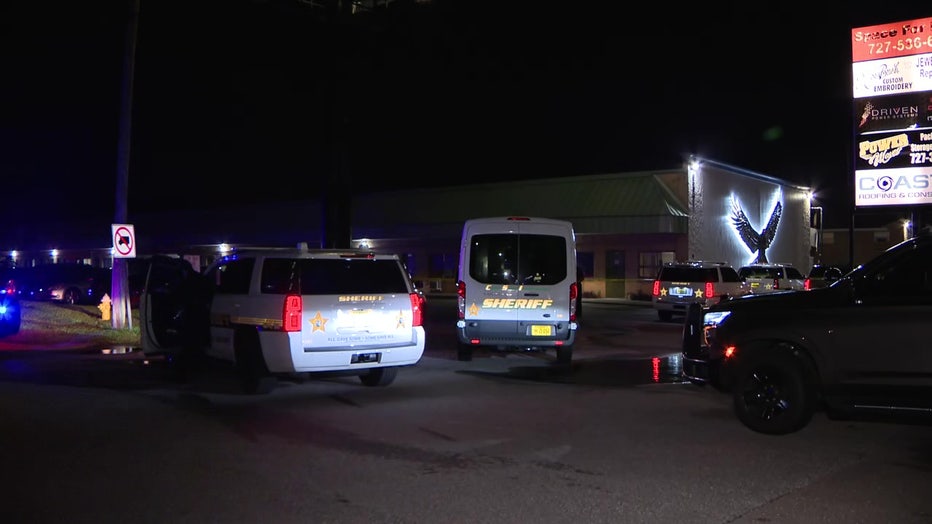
564	355
379	377
665	316
771	395
71	296
253	374
464	352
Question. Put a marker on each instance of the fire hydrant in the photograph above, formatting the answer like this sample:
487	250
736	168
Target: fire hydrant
104	307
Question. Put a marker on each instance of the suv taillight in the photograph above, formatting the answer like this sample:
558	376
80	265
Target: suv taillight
776	283
807	284
417	309
656	290
709	289
291	313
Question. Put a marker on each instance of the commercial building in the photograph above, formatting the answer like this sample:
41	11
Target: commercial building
627	224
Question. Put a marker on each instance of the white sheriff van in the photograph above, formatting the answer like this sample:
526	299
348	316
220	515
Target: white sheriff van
281	312
517	285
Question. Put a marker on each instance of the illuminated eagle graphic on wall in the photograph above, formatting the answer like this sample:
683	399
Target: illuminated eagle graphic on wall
755	241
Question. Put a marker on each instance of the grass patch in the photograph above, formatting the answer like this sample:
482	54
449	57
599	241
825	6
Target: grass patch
47	324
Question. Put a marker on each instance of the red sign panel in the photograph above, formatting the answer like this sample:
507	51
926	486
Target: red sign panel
893	39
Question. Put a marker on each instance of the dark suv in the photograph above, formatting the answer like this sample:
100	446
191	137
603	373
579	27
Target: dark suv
856	347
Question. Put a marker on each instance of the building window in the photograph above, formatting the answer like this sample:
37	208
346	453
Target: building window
881	236
828	237
442	265
614	264
585	261
649	262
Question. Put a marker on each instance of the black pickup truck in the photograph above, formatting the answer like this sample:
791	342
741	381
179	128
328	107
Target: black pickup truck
858	346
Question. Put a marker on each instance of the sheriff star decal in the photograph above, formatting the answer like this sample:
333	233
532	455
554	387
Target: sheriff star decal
318	323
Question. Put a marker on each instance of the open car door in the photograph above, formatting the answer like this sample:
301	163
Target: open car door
173	307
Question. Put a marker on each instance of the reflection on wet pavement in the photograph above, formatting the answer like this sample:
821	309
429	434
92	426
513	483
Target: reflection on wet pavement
598	372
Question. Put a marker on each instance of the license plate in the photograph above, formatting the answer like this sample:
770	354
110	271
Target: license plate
540	331
362	358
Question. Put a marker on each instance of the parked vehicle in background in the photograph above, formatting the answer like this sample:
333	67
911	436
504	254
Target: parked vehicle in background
77	283
679	284
70	283
769	278
283	312
858	346
518	286
822	276
10	311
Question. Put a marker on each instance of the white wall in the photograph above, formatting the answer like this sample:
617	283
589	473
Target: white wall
712	235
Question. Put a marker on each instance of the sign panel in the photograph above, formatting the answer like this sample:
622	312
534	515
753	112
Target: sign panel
124	241
892	90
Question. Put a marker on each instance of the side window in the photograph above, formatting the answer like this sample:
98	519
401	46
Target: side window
730	275
906	280
792	272
278	276
233	277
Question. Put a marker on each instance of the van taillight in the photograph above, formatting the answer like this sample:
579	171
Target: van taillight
574	294
709	289
417	309
656	290
292	311
461	299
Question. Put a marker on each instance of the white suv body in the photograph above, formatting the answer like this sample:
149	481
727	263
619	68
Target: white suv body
770	278
679	284
287	311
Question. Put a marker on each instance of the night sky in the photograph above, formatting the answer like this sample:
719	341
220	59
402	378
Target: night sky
239	101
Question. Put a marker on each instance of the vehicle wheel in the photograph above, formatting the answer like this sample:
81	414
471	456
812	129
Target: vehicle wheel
379	376
254	376
665	316
564	355
71	296
771	395
464	352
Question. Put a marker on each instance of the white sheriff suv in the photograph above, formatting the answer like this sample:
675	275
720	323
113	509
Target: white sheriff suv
679	284
286	312
771	278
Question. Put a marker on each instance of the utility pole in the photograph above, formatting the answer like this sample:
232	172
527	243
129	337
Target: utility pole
122	317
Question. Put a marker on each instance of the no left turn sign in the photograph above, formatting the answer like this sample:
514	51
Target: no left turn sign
124	241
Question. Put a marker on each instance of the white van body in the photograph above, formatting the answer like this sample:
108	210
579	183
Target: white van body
517	285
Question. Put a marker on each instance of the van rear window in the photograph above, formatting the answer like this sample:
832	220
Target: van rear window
518	259
333	276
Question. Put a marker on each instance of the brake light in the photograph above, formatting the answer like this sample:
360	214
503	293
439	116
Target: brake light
574	293
291	313
461	299
417	309
807	284
709	289
656	290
